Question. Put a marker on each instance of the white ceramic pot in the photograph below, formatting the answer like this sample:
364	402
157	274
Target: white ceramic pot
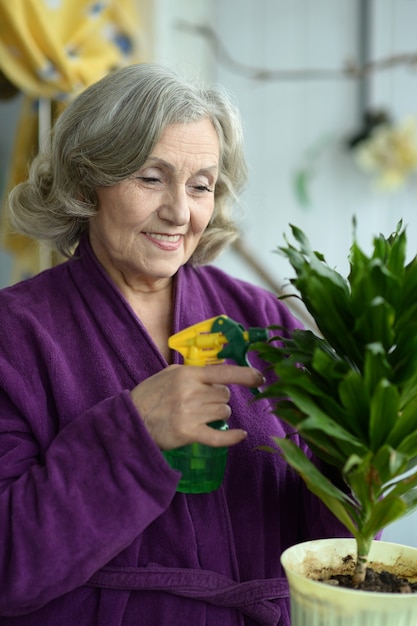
317	604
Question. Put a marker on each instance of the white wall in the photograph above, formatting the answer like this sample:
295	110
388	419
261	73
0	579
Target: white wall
173	44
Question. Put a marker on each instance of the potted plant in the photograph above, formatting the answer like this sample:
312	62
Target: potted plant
351	393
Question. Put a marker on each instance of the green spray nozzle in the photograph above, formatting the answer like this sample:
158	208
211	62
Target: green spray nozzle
238	339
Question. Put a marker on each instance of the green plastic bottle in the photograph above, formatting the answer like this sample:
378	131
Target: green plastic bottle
202	466
207	343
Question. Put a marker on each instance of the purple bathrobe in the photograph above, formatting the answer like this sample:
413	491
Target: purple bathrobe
93	532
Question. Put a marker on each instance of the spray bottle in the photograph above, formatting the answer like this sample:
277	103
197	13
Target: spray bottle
206	343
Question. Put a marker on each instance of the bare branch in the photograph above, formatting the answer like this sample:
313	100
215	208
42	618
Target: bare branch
348	72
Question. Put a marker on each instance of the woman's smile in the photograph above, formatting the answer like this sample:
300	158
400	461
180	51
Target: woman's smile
165	242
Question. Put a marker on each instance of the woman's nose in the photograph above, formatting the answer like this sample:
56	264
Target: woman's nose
175	207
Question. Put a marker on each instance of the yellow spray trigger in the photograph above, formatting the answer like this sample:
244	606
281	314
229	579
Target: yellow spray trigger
198	345
215	340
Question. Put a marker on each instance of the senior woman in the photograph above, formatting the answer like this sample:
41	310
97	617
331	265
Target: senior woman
137	191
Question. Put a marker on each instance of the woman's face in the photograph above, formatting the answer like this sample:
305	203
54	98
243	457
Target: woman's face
149	224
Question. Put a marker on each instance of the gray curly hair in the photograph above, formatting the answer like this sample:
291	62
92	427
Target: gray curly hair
105	135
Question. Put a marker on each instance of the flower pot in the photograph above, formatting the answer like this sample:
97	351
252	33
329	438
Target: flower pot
314	603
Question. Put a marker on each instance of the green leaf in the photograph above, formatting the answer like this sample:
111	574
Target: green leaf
335	499
389	463
384	411
408	446
404	486
383	513
410	498
338	324
365	484
355	399
376	366
376	325
404	427
403	357
318	420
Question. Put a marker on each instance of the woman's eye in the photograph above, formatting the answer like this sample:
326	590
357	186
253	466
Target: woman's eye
149	179
202	188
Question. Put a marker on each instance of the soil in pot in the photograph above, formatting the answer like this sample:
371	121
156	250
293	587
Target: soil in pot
381	581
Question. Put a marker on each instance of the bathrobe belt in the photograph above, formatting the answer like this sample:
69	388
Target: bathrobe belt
253	597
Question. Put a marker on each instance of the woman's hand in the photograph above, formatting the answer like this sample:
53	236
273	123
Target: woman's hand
177	403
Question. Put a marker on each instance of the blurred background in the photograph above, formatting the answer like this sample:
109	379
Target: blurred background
327	91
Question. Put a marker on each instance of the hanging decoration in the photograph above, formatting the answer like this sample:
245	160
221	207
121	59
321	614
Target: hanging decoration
386	150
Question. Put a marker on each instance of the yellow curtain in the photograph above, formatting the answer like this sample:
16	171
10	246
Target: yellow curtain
51	50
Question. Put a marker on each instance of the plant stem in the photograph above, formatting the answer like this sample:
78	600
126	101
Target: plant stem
364	546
